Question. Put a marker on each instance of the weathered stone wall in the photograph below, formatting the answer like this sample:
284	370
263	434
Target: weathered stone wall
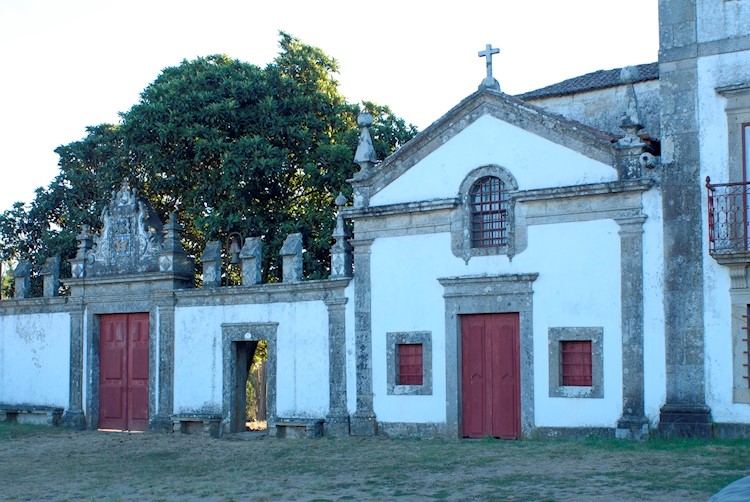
603	109
723	312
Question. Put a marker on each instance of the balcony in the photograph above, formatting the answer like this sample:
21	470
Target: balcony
727	221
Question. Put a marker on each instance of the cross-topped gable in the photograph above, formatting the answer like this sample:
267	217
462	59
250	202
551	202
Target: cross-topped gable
595	147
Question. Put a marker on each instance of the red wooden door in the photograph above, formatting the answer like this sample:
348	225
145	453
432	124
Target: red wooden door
123	372
490	376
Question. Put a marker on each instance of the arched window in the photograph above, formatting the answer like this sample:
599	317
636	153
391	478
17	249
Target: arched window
484	224
489	212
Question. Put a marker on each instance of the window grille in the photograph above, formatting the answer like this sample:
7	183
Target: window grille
489	210
409	364
576	363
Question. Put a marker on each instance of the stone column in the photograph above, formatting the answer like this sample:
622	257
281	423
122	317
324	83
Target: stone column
337	419
22	279
165	306
211	260
363	422
251	255
633	423
74	417
685	412
51	273
291	256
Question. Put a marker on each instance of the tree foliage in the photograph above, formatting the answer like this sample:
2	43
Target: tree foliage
229	146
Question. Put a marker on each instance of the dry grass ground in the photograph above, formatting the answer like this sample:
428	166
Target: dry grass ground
53	464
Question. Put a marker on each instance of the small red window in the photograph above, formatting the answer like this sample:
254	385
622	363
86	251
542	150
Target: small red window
576	362
409	364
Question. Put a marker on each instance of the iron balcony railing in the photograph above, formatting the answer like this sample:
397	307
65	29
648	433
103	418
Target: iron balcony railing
727	217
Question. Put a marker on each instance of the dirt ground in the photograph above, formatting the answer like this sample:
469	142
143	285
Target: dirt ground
67	465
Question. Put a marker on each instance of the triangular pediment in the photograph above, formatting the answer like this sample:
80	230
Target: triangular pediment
584	140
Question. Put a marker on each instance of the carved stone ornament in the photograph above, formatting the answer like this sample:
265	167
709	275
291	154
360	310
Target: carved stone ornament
131	237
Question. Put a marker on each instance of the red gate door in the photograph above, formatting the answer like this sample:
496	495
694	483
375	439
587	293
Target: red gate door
123	372
490	376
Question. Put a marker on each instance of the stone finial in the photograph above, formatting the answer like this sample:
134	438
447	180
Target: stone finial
85	241
630	146
631	121
173	257
251	255
489	81
291	255
85	245
365	155
211	260
341	252
51	273
22	274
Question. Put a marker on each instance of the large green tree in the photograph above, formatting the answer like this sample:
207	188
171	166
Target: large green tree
229	146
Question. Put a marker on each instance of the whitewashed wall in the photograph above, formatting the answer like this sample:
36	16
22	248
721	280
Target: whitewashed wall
302	356
35	359
713	72
578	285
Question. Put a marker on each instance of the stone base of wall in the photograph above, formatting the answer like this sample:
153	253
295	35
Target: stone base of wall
161	423
572	433
635	428
685	421
336	426
74	419
363	425
412	430
731	431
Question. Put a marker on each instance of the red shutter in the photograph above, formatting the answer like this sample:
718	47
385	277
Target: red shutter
576	362
409	363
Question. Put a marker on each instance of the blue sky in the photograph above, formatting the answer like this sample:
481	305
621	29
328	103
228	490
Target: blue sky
73	63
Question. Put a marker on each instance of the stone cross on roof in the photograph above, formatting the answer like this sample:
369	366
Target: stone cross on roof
489	81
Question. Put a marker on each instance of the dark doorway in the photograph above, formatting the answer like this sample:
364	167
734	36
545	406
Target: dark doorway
249	406
490	376
123	371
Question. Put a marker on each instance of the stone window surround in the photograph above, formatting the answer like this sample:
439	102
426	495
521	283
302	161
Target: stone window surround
461	224
423	338
557	335
738	114
488	294
740	299
489	201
